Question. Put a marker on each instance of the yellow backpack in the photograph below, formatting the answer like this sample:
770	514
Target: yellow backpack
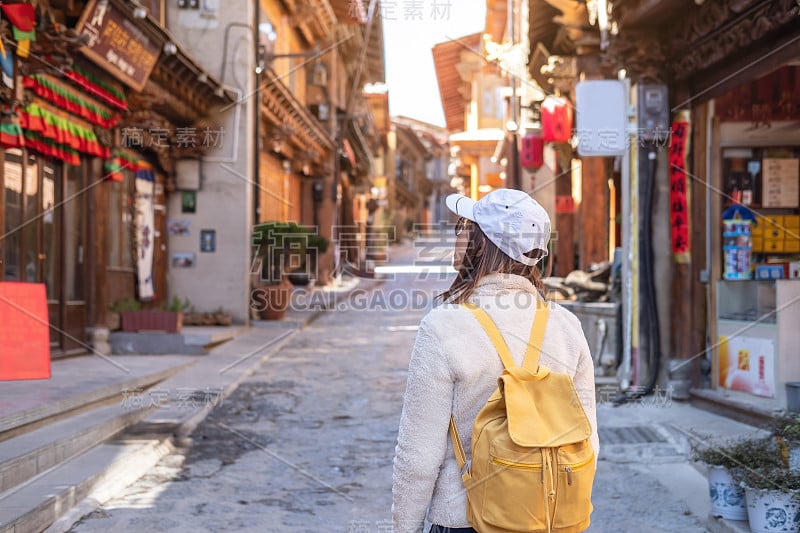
532	465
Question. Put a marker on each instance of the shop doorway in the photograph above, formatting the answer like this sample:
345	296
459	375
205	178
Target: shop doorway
45	237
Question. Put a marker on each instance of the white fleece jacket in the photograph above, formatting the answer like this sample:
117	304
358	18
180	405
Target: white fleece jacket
454	369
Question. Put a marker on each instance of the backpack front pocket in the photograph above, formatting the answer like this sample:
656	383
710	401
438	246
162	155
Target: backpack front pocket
576	471
518	477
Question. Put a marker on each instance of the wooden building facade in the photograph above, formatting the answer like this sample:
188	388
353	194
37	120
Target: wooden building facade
97	110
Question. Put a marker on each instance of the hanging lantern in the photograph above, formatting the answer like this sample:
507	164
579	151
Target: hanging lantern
556	119
531	155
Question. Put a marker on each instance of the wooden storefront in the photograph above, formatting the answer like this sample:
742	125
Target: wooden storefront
68	193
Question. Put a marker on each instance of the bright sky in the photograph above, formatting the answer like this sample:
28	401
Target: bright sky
413	91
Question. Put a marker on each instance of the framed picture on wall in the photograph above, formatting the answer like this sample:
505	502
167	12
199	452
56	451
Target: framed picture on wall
208	240
183	260
188	202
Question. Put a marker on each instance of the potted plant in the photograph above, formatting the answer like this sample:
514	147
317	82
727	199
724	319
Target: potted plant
727	495
168	319
315	245
279	247
773	497
113	317
786	429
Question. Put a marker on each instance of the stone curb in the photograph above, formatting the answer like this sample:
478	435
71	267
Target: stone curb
126	470
715	524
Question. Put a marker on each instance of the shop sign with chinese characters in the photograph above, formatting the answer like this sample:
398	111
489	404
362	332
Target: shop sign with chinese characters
117	45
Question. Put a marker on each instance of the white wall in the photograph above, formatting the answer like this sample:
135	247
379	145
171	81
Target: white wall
224	201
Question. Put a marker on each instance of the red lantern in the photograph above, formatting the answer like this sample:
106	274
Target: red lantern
556	119
532	153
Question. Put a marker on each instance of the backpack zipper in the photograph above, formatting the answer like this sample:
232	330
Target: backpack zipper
513	464
575	466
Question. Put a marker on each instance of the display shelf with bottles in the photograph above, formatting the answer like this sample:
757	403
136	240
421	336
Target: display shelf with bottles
765	180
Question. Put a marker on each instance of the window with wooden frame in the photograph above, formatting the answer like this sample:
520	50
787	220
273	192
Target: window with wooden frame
120	223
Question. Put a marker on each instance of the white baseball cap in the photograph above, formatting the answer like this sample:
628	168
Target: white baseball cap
512	220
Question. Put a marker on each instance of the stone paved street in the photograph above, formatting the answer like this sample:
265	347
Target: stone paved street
306	443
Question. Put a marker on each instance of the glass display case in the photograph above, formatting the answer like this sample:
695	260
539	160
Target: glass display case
751	301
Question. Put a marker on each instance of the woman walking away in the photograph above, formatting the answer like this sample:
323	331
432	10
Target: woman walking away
532	465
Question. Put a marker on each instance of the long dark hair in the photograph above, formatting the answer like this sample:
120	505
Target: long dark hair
482	257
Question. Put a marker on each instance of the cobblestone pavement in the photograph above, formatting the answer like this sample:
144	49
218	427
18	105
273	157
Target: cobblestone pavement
306	443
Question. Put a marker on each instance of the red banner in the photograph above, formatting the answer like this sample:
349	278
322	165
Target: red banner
679	187
24	331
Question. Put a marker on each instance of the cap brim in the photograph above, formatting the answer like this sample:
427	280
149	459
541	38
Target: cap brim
461	205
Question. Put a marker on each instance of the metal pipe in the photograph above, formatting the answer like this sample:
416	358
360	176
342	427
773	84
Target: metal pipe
627	263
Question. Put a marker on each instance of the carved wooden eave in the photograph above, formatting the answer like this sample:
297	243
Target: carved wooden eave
453	89
642	53
189	83
560	33
349	39
541	28
720	30
167	103
154	133
281	109
561	72
54	42
314	19
179	73
362	151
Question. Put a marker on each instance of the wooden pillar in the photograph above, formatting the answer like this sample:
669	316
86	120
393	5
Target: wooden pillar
592	218
593	212
98	288
565	222
688	315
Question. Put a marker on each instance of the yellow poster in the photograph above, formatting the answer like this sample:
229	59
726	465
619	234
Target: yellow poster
747	364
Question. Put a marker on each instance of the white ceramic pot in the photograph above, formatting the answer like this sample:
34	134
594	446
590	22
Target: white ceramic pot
794	459
727	497
773	511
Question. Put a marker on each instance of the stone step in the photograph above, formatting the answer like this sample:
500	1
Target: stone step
30	454
79	384
78	485
192	340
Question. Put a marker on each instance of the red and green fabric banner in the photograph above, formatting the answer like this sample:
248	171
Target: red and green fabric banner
97	86
120	161
58	136
11	135
70	100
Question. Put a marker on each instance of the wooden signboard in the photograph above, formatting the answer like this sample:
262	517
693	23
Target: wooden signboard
24	331
117	45
780	182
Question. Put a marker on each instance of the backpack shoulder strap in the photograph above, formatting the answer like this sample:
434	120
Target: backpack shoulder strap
458	447
530	361
534	349
494	334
